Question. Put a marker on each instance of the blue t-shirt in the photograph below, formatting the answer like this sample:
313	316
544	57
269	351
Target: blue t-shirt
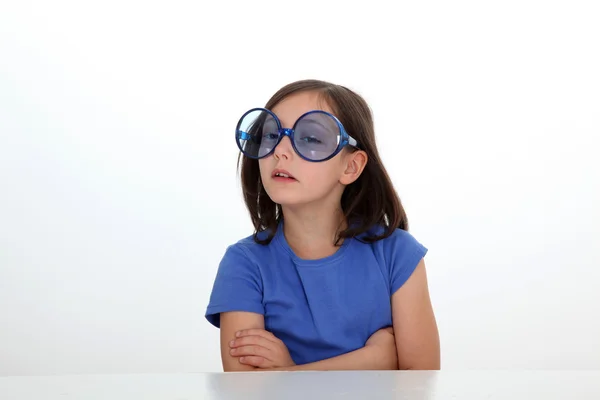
318	308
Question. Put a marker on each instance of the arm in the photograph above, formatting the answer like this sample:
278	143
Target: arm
378	354
231	322
415	327
263	350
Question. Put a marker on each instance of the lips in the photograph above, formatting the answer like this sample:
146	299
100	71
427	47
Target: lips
282	174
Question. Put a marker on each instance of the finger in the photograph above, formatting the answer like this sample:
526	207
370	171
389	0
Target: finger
257	332
251	350
254	361
252	340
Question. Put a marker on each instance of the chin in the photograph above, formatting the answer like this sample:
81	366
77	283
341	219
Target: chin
286	197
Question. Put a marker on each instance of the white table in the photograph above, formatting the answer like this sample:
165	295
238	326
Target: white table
467	385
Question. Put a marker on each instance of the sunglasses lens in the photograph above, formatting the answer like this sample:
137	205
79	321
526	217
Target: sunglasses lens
317	136
257	133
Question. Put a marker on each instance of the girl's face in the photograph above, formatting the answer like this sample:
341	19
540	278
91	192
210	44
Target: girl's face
306	182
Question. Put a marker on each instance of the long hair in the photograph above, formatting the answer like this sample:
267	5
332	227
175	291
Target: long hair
370	201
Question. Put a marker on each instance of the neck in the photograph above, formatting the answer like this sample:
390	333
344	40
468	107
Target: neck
311	234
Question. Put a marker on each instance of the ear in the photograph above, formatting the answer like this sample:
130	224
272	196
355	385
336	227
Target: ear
354	164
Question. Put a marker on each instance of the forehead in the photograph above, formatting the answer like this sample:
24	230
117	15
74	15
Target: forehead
292	107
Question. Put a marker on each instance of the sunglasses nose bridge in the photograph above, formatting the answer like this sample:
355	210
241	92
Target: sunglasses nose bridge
286	132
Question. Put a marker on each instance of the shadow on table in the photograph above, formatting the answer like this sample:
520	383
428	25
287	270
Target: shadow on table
311	385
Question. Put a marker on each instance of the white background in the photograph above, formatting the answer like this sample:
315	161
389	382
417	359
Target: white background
119	193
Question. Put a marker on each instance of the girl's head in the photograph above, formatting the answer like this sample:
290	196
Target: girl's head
332	162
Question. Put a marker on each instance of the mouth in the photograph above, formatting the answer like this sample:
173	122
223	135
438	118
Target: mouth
282	175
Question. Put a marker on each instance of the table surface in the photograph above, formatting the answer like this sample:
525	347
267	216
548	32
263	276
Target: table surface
311	385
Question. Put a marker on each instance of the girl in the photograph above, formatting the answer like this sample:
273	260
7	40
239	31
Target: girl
331	279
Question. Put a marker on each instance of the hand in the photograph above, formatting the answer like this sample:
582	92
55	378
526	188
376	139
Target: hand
384	342
260	348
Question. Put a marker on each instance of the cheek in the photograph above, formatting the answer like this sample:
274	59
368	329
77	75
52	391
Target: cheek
322	176
263	168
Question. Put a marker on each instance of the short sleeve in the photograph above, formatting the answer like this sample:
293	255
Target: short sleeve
237	286
406	253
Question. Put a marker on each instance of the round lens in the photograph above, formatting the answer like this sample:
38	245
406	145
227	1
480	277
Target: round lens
316	136
257	133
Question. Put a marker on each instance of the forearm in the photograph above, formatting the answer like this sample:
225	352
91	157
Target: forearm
366	358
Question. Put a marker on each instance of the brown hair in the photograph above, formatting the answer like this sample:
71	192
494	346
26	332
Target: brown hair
369	201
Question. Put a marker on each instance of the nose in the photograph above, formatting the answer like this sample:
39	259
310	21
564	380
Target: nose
284	149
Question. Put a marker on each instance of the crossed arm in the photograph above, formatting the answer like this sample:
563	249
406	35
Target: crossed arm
413	343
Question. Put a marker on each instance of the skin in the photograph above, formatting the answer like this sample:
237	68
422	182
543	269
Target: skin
313	215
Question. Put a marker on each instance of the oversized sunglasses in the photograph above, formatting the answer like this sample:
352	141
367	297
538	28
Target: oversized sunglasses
316	136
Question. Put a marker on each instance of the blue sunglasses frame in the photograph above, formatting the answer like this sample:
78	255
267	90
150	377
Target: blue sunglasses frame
345	138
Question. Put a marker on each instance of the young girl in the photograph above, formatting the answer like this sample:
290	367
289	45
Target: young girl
330	279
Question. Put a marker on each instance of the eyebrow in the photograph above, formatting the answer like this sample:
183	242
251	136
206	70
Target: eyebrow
308	119
316	122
